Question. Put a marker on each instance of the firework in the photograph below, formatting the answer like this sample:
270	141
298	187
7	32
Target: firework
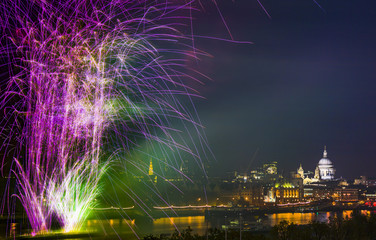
84	74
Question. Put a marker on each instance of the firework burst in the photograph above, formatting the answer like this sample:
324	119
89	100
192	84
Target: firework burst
83	74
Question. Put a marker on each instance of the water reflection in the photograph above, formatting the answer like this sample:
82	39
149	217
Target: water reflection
145	226
168	225
199	224
130	229
305	218
107	227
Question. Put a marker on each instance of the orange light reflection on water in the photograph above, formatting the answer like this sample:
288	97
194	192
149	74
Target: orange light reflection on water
297	218
306	218
197	224
187	221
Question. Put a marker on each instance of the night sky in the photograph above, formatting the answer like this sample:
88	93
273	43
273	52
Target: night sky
308	80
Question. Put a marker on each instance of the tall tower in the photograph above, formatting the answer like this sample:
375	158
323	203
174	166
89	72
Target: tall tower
301	171
317	173
151	172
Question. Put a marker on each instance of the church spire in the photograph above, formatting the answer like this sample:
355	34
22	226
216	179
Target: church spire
325	154
301	171
151	172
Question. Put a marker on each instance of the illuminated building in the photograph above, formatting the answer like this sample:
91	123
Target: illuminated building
363	180
300	171
360	181
370	194
346	194
270	168
317	173
252	194
324	171
326	167
266	173
317	192
282	193
307	177
286	193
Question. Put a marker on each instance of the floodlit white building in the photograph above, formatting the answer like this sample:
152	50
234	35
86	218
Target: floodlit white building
324	171
326	167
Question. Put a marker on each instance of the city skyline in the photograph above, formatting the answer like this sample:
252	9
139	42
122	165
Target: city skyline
305	82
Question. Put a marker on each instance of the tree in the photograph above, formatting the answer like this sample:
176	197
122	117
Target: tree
319	230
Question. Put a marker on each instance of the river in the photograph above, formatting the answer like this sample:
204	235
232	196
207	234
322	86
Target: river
198	223
137	228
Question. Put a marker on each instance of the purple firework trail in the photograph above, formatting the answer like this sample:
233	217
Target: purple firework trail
79	69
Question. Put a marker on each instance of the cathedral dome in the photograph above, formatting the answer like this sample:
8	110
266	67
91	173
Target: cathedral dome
325	161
